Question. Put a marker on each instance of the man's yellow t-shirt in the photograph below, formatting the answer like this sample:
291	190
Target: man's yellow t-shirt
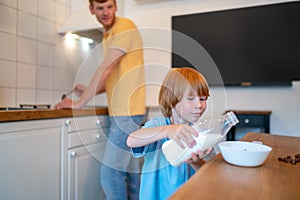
125	87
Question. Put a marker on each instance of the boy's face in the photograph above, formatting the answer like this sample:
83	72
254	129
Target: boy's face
190	108
105	12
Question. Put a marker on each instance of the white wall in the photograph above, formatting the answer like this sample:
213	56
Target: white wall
153	14
36	65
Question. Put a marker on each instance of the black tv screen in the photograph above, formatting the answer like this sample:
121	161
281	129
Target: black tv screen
257	45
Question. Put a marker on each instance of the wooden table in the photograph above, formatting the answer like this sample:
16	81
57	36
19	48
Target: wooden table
274	180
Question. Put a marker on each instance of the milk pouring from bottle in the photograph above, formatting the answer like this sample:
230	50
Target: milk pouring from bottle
211	131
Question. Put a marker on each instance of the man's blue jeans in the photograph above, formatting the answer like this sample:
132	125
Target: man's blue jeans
120	171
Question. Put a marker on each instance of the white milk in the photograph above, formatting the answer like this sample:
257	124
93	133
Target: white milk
176	155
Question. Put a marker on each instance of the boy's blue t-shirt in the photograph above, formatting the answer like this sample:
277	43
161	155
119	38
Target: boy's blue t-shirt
159	179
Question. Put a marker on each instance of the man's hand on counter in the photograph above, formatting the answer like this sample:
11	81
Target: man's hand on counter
67	103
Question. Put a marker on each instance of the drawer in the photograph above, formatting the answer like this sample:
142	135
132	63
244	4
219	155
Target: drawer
96	150
251	121
82	138
86	123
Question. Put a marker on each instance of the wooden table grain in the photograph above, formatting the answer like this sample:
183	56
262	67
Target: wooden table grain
274	180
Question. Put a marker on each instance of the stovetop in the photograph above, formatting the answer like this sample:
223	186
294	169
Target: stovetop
28	107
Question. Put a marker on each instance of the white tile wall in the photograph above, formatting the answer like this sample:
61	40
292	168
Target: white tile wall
45	97
60	58
46	31
45	78
8	71
11	3
9	26
26	96
27	26
45	54
26	50
61	13
46	9
61	83
8	49
29	6
26	76
8	97
35	65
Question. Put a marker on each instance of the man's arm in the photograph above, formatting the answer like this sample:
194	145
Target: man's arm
97	83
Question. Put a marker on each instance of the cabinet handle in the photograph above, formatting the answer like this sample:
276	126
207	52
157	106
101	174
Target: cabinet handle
98	136
247	121
68	122
73	154
98	122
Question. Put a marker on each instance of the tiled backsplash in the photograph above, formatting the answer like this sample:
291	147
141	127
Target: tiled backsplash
36	67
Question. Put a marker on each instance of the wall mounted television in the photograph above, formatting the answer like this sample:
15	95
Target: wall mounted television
252	46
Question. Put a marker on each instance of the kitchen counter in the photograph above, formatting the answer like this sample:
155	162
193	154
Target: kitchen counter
36	114
274	180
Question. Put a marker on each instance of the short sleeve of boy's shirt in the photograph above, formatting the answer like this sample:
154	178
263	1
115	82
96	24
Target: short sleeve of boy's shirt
141	151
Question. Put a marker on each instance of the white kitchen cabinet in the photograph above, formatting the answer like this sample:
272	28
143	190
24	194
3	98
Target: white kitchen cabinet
85	141
30	160
52	159
84	173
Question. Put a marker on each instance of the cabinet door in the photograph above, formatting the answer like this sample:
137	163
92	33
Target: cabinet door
29	163
84	173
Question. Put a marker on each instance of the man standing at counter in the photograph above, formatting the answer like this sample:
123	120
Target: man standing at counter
121	76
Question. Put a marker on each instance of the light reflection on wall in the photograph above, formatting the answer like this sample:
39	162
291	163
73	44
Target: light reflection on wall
85	46
72	39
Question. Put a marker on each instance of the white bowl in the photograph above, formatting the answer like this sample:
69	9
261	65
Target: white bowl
246	154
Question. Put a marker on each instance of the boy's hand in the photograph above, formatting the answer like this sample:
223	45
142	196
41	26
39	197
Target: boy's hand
182	133
196	161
